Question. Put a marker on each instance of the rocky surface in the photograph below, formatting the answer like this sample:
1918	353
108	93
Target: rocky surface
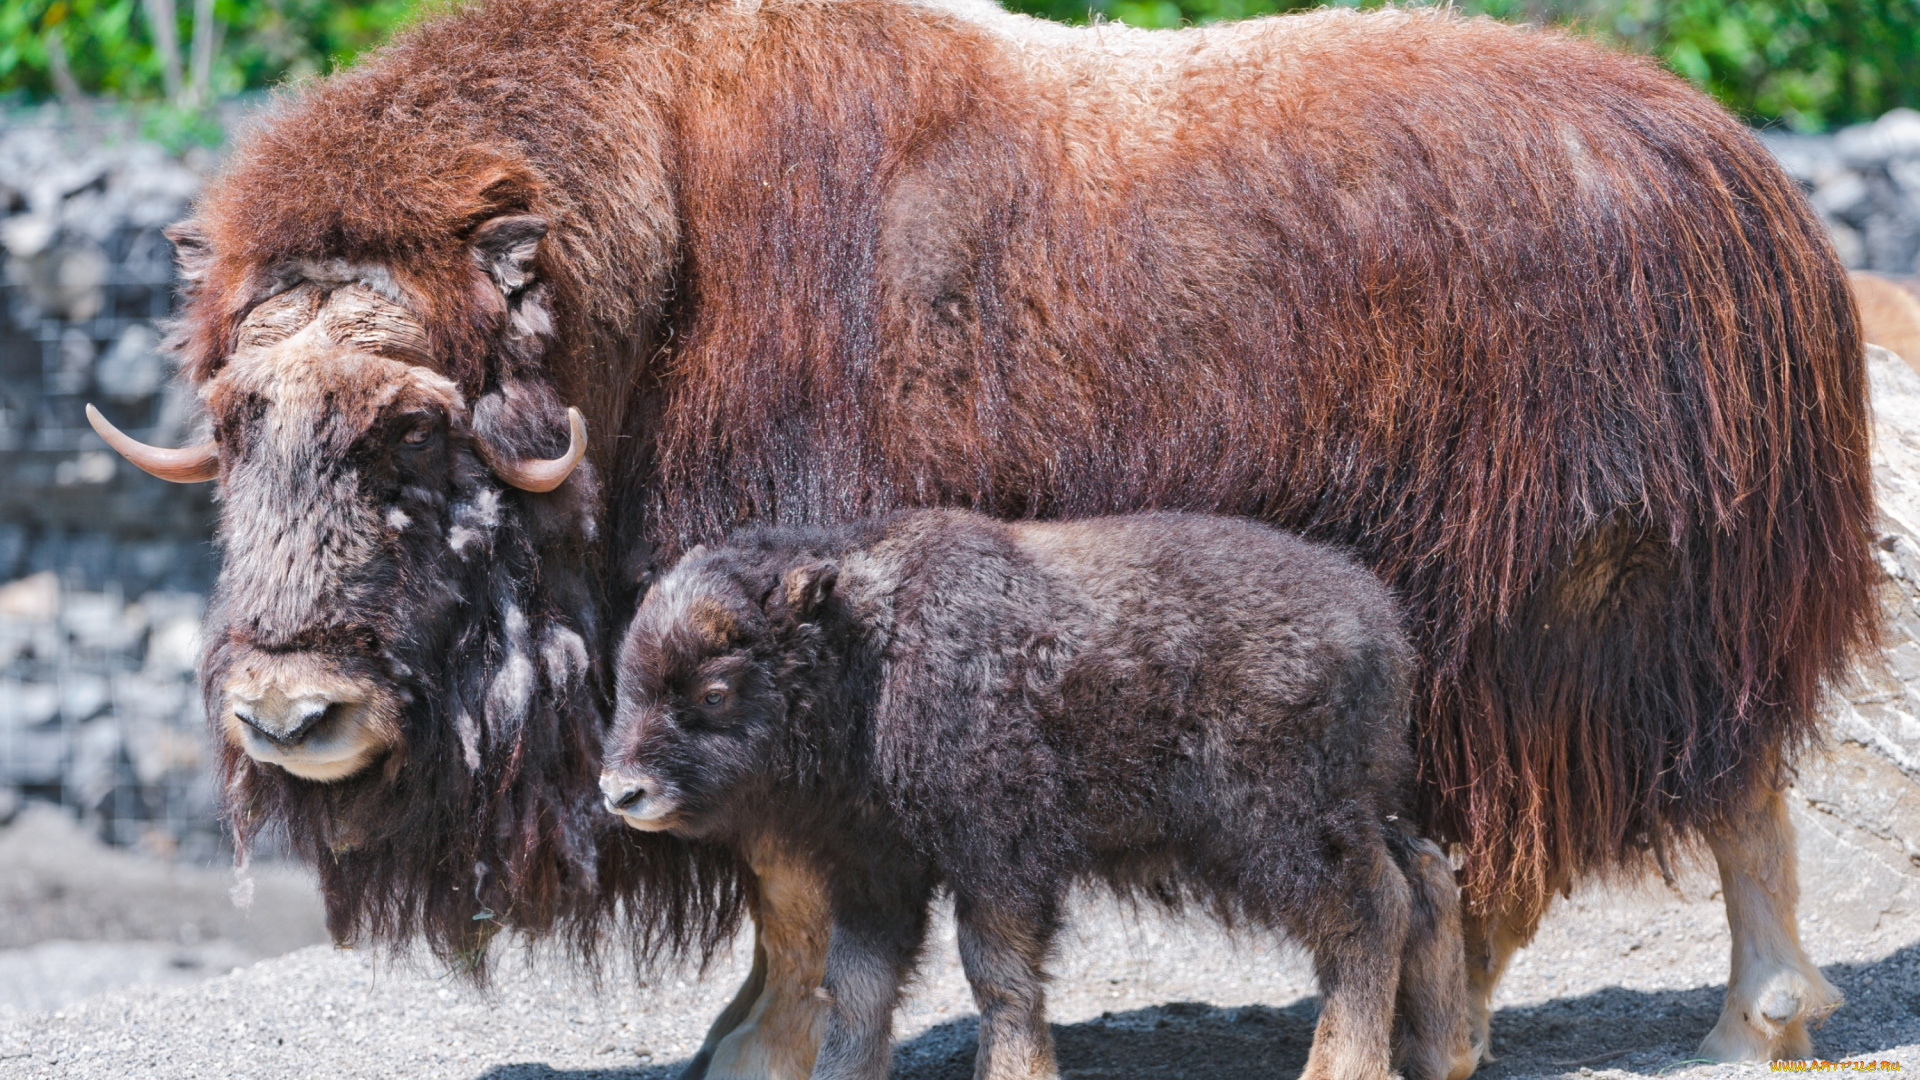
98	712
87	279
106	565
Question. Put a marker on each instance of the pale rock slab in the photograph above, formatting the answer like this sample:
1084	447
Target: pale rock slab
1857	800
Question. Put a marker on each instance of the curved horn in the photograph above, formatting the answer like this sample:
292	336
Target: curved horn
534	474
187	465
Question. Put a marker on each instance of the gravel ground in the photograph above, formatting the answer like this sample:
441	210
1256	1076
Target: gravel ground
78	918
1620	982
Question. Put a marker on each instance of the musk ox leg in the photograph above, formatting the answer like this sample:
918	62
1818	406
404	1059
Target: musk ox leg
1774	991
1492	937
870	955
737	1010
1430	1030
1003	952
1357	938
778	1031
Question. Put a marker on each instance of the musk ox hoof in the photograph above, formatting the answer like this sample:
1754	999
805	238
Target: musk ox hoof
1767	1020
1467	1060
1479	1029
1479	1051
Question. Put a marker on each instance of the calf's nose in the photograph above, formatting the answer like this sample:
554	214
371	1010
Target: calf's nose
623	790
284	719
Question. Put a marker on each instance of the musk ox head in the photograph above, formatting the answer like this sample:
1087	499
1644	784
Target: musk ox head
724	650
402	646
363	501
356	500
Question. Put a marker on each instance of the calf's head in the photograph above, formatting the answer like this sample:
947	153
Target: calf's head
721	654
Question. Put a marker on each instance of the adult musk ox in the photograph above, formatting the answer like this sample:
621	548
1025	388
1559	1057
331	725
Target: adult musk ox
1541	333
1176	705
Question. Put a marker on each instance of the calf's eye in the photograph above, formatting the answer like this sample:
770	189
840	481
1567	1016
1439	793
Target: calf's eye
417	435
714	697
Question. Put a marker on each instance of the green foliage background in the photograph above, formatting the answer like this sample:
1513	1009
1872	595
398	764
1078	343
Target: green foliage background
1809	63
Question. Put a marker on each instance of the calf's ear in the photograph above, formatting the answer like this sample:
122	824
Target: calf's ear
806	588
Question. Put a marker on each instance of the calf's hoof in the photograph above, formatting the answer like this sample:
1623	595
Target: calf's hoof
1770	1023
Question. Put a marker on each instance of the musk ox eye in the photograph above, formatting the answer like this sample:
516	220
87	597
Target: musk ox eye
418	435
714	697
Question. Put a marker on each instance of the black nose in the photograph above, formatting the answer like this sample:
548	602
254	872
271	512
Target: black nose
284	722
621	791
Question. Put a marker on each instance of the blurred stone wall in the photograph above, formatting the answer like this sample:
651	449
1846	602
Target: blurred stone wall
1865	182
106	566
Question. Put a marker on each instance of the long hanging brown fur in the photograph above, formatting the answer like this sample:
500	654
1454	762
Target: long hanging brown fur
1538	330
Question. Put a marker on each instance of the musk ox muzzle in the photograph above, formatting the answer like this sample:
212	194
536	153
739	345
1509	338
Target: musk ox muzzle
310	714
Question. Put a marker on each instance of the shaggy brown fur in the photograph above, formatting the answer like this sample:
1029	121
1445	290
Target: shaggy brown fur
1541	332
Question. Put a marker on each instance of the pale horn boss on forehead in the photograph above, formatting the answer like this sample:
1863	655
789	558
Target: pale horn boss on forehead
333	303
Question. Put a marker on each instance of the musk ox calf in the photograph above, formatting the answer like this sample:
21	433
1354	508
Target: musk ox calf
1173	704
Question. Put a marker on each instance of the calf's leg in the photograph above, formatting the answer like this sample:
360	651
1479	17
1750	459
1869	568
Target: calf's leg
1774	991
772	1029
1430	1031
737	1010
1491	938
1357	938
1003	948
871	953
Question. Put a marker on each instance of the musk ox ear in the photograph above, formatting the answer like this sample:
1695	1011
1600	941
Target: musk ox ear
505	248
192	253
807	588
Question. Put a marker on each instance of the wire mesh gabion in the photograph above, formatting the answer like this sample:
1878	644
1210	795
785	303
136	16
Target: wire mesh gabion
106	569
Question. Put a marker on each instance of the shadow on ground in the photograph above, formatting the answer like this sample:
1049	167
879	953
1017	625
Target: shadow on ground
1638	1030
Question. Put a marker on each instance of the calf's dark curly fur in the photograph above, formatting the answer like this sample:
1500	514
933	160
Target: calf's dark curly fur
1180	706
